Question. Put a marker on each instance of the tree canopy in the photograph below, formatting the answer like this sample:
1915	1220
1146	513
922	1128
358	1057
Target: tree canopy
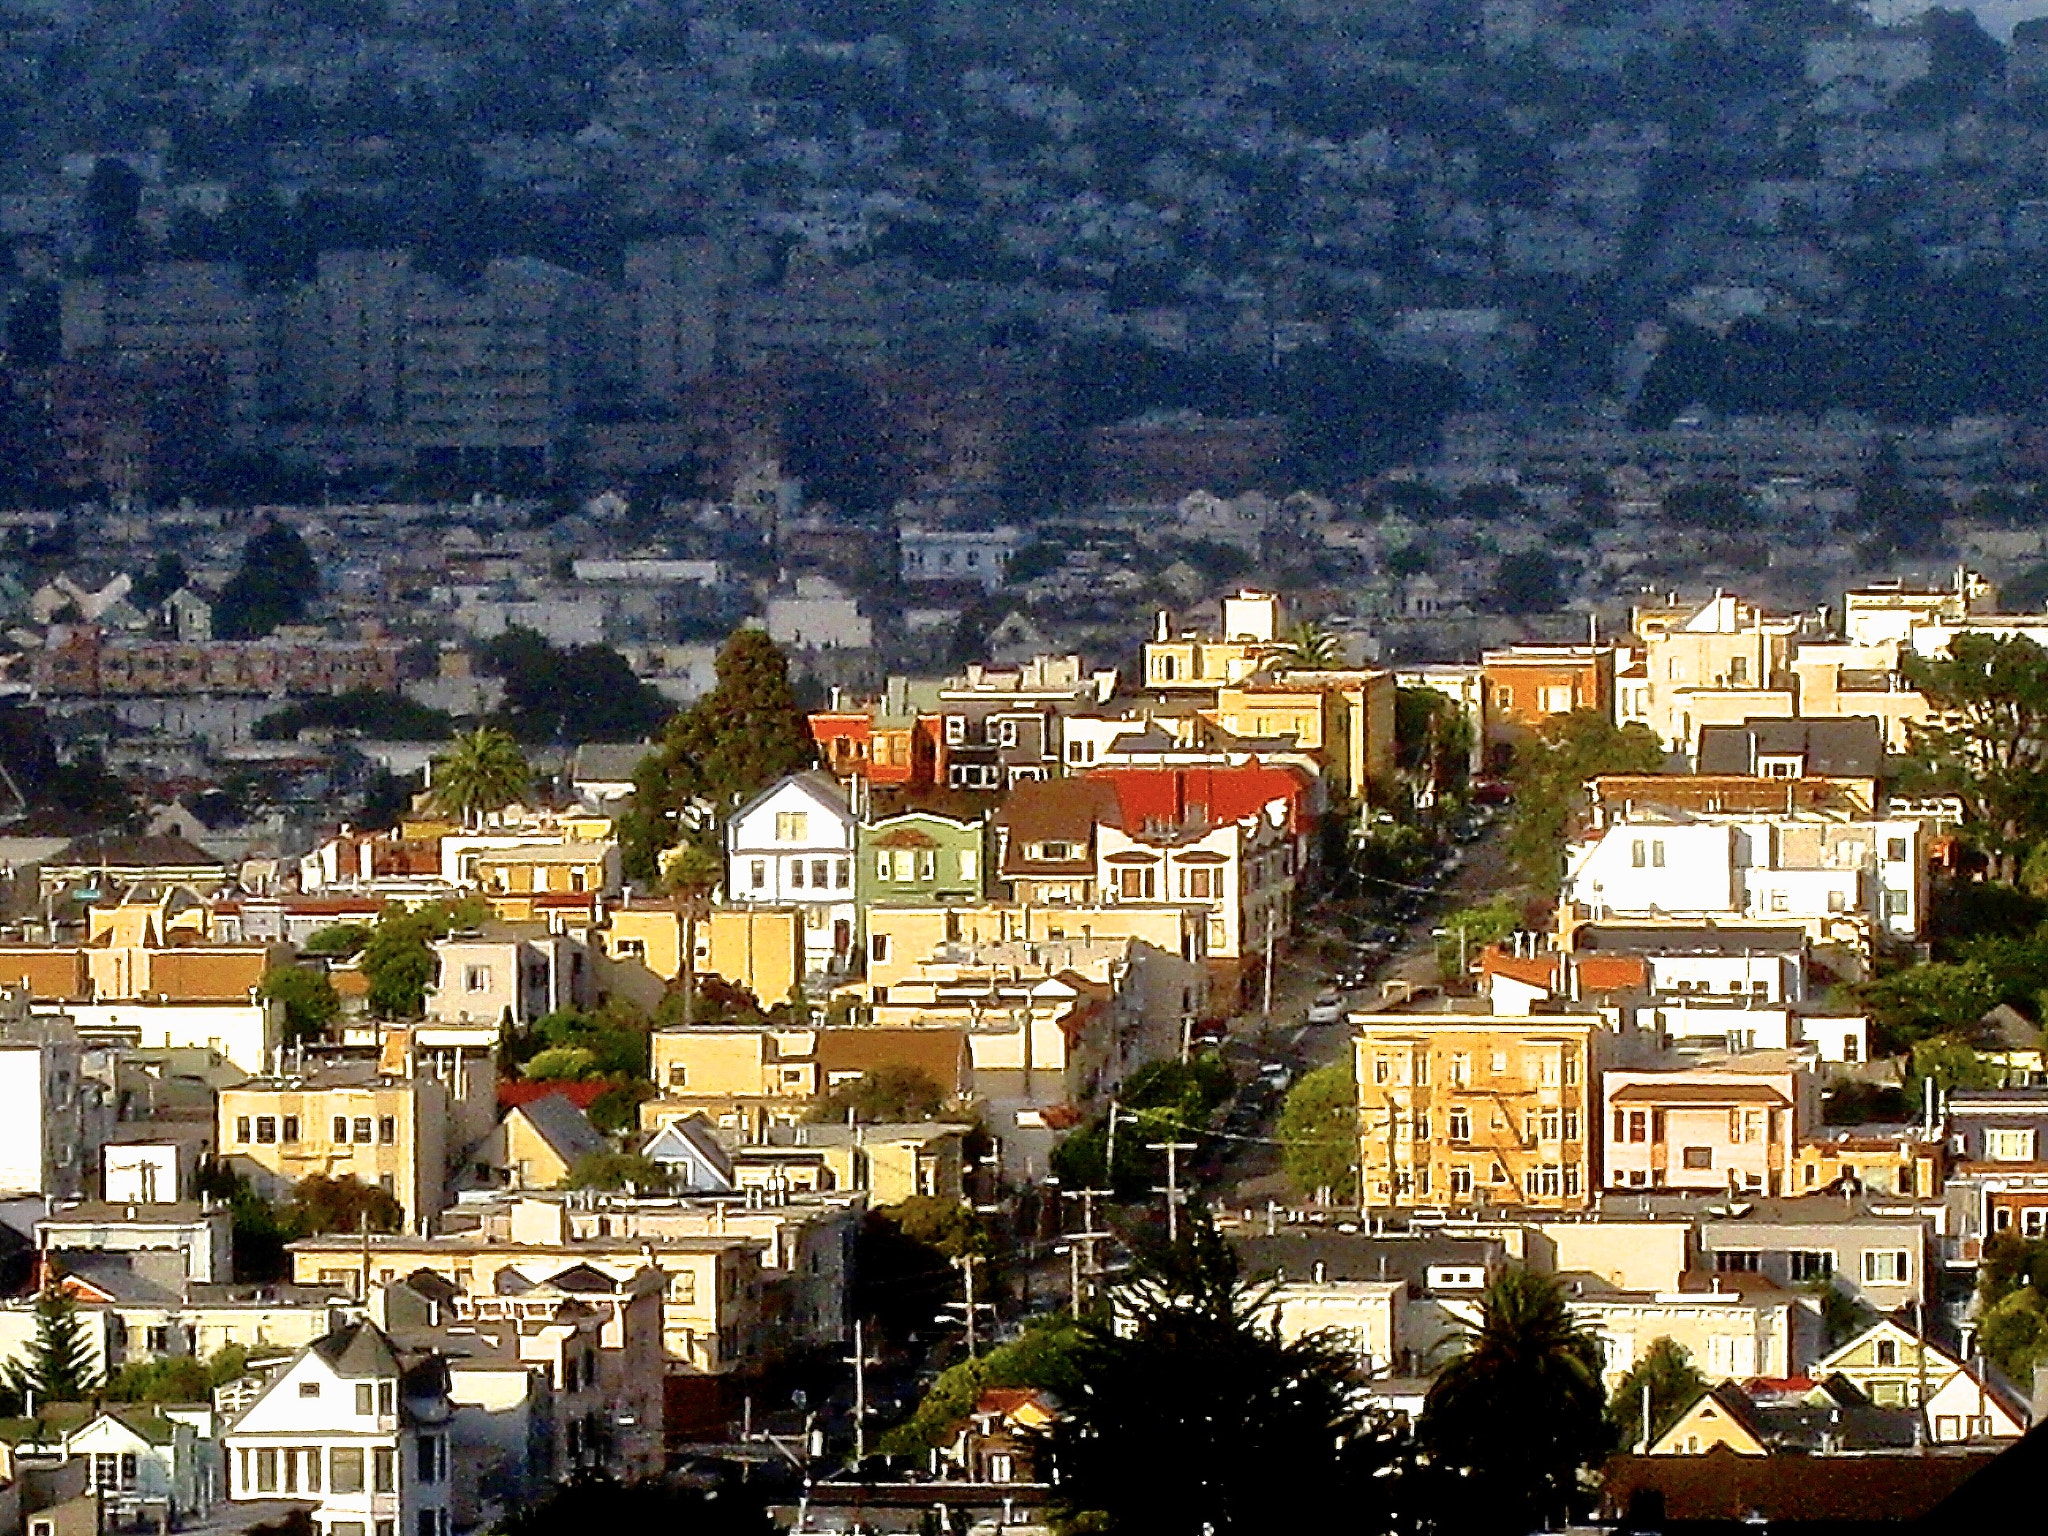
1550	774
482	771
887	1095
571	694
275	582
1988	740
1528	1363
742	736
1674	1384
1194	1415
57	1366
309	999
1318	1133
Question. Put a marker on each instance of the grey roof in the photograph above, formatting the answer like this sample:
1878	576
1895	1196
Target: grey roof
156	850
602	762
1832	749
131	1279
357	1349
562	1126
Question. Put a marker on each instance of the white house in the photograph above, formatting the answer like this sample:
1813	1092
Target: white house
696	1162
144	1464
1840	880
357	1428
980	555
793	846
818	616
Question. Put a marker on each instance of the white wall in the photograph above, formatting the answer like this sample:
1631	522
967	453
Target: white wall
21	1119
244	1033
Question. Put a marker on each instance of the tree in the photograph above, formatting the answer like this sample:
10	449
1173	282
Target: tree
616	1171
893	1095
1308	647
397	960
1193	1415
1527	1363
742	736
1949	1063
572	693
1044	1356
1674	1384
1528	581
275	581
1471	929
310	1001
1550	775
483	770
178	1379
1318	1132
343	1203
1922	1001
58	1365
1988	738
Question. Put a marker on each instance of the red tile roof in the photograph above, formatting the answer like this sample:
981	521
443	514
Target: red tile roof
512	1092
1168	796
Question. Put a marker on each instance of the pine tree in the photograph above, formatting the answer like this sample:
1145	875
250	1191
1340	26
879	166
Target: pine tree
58	1367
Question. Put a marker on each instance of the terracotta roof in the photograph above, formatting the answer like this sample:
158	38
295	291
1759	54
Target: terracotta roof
512	1092
1171	797
1696	1092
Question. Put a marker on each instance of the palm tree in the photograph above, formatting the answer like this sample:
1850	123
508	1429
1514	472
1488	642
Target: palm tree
691	871
483	770
1308	648
1520	1409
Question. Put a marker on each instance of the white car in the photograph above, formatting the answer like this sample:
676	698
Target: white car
1328	1008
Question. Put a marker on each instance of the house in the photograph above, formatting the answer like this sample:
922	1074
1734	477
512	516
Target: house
389	1130
356	1426
1722	661
1344	714
147	1464
1846	750
1252	624
742	1078
1905	1163
538	1143
1002	1440
507	975
921	859
888	1163
1762	1330
1470	1109
793	846
695	1160
195	1235
1828	1418
1877	1256
1046	837
1529	685
1728	1124
1894	1367
54	1117
638	952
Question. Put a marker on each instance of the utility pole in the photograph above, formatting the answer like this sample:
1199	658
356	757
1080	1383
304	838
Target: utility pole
967	1263
1266	1006
1081	1245
860	1364
1172	1191
1109	1158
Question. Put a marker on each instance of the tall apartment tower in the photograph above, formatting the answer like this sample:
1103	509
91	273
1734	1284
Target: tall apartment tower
676	288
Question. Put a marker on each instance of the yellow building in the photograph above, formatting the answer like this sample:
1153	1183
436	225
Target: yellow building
758	948
1890	1165
348	1120
568	868
1465	1110
889	1163
1345	716
902	939
538	1142
741	1078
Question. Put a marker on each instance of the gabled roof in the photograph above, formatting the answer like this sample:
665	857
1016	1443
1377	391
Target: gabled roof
815	783
117	850
565	1128
357	1350
1850	748
690	1136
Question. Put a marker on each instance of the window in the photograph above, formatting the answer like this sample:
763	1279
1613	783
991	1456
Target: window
476	978
242	1129
1571	1069
383	1470
1895	850
1638	854
1461	1181
792	826
1887	1349
970	864
291	1127
1382	1069
1499	1064
842	874
1422	1125
1812	1264
313	1470
1135	884
757	874
1199	883
819	870
2007	1145
387	1398
1657	853
387	1129
1699	1157
430	1458
309	1389
341	1128
1461	1069
956	730
1738	1261
366	1402
266	1471
1549	1125
345	1471
1461	1124
1571	1125
796	874
362	1128
1885	1266
266	1129
1632	1125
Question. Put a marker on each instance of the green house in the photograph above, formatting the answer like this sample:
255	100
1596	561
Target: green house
918	859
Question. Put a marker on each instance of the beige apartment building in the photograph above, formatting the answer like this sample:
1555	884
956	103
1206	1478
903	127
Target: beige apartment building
640	950
902	939
393	1131
740	1077
1467	1110
709	1292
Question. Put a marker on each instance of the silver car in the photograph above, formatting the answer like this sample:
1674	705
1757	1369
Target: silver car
1328	1008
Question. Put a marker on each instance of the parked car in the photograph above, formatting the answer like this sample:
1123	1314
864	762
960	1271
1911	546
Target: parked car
1328	1008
